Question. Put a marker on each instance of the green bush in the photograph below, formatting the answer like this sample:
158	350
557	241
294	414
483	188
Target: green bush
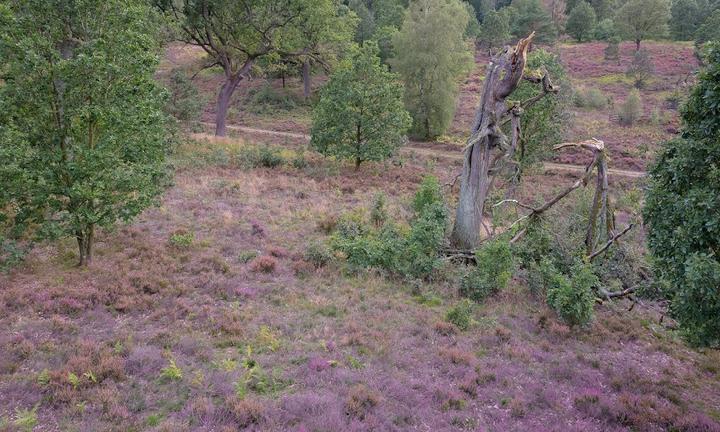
571	297
266	100
185	102
318	254
631	110
409	252
378	214
461	315
590	98
492	272
430	193
697	301
605	29
612	50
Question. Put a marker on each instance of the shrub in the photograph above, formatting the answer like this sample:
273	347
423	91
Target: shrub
318	254
264	264
405	252
641	69
266	100
697	301
429	193
590	98
581	21
182	239
612	50
378	214
171	372
631	110
571	297
605	29
185	102
492	272
461	315
269	157
360	401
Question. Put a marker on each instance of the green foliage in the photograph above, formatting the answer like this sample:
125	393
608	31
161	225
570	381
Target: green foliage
408	252
544	123
590	98
495	30
171	372
682	206
318	254
267	100
182	240
686	17
612	50
631	109
461	315
641	69
492	272
378	213
571	297
697	302
26	419
638	20
526	16
185	102
605	29
432	56
581	22
360	114
429	193
709	30
83	134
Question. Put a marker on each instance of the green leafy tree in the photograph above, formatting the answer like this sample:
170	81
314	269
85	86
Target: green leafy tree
236	34
682	209
495	30
360	114
82	128
581	22
604	9
527	16
543	124
638	20
709	30
432	56
605	29
686	17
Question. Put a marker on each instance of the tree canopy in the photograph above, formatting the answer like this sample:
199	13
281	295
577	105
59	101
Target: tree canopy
638	20
360	115
82	128
432	56
495	30
682	209
581	22
527	16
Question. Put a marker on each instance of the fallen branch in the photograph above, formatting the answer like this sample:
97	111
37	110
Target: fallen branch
615	294
610	242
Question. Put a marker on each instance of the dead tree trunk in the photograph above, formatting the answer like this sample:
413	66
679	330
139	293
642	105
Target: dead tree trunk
307	88
503	75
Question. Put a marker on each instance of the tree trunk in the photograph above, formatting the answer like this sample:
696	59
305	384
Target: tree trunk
85	240
223	104
307	85
503	75
637	44
225	95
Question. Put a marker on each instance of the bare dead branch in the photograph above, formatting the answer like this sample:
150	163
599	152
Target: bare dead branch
610	242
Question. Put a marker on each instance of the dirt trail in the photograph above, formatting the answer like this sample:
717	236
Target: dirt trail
548	166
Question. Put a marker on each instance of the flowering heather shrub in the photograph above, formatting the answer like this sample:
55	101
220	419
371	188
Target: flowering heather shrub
245	412
492	272
264	264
